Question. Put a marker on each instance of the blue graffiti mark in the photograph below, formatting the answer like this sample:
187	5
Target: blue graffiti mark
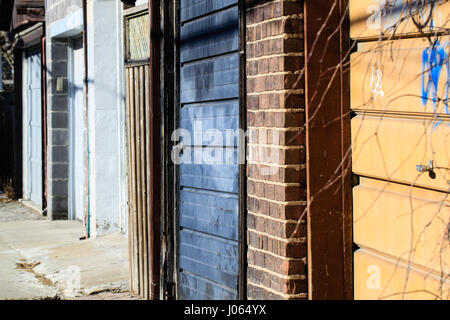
433	61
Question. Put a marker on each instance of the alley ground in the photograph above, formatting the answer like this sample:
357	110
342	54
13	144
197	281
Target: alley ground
42	259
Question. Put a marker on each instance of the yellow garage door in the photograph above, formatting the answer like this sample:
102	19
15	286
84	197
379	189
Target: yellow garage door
400	77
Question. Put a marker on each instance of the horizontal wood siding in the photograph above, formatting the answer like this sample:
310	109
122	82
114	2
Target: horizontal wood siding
399	93
208	246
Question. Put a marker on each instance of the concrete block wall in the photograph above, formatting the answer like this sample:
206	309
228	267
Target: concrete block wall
58	130
58	9
276	180
58	111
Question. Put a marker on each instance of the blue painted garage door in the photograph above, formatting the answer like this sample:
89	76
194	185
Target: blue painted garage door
208	239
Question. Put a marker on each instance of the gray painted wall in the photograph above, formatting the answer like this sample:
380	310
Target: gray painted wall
106	114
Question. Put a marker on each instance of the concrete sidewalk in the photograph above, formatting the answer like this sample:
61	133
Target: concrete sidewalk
42	259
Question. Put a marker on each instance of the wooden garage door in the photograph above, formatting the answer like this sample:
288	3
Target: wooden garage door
208	238
400	149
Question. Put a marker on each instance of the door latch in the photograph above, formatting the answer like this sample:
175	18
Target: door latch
422	168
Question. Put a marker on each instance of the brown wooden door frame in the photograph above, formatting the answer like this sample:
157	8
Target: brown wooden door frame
328	145
31	40
44	120
170	117
242	284
18	124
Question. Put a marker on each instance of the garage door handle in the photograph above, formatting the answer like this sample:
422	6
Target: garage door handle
424	168
427	168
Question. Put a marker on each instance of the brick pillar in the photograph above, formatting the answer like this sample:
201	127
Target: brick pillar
277	246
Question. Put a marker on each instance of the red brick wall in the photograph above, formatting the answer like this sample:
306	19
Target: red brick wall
277	246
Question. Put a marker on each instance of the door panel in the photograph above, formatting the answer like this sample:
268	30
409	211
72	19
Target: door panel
379	277
78	134
209	256
199	288
401	70
35	128
210	212
208	177
371	18
391	148
190	9
412	223
210	79
209	36
214	118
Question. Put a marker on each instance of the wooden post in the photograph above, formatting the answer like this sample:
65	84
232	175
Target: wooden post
155	150
328	155
130	189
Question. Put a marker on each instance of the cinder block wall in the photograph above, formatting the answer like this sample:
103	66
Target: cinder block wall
57	111
276	182
58	9
58	131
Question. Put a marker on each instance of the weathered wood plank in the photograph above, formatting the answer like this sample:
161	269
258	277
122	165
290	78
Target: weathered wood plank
143	162
211	257
147	222
129	182
218	177
190	9
193	287
210	79
211	35
210	212
134	180
139	180
214	122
